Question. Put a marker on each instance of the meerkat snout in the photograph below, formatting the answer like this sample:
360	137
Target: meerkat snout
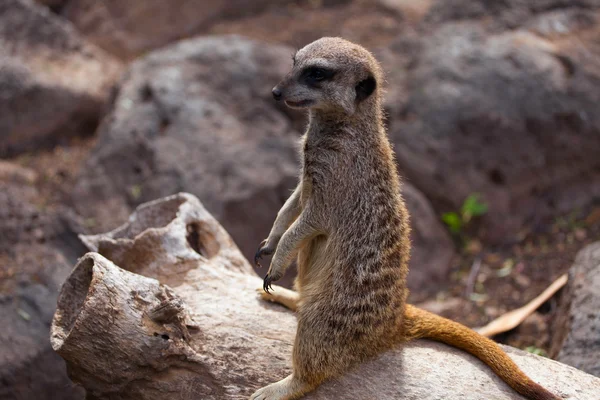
276	93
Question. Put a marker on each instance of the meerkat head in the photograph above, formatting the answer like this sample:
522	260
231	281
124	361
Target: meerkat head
330	74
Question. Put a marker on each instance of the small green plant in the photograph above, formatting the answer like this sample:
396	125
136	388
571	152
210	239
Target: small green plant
536	350
136	191
472	207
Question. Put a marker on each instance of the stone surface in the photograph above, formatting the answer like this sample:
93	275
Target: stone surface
37	251
577	325
52	84
509	113
130	28
232	342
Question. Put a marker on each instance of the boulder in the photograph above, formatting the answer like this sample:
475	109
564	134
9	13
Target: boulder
577	323
189	321
52	83
510	114
196	116
128	29
37	250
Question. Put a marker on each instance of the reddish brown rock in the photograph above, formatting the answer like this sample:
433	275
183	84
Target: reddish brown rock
52	83
479	107
37	250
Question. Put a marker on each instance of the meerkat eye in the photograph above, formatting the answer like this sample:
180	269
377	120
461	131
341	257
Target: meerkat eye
317	74
312	75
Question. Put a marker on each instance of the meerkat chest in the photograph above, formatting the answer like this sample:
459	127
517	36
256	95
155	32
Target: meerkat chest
320	157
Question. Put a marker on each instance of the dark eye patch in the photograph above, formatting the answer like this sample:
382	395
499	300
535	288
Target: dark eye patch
311	76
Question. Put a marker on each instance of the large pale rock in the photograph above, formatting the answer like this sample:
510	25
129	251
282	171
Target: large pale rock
207	335
36	255
577	324
130	28
511	114
52	83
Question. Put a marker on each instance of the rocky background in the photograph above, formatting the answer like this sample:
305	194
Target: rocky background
106	105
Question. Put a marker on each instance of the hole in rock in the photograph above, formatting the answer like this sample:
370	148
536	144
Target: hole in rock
201	240
163	336
497	177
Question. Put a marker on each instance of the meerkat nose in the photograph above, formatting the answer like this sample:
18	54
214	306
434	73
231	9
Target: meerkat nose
276	93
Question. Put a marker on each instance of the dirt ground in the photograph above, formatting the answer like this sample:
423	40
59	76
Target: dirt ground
494	280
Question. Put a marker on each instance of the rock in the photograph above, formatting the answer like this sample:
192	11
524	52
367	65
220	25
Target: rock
432	247
178	229
218	340
131	28
37	249
510	114
52	83
197	116
29	369
577	322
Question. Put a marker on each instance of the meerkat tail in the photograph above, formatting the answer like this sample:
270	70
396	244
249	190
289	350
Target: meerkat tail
423	324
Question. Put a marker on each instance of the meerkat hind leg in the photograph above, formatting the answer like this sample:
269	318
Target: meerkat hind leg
286	389
281	295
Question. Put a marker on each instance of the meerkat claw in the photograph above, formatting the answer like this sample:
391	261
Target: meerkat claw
267	284
262	251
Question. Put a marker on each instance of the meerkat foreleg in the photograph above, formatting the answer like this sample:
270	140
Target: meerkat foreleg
302	230
285	217
298	233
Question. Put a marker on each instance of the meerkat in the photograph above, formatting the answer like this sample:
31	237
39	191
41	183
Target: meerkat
348	228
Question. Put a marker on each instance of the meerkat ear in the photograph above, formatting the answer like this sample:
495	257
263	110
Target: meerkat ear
365	88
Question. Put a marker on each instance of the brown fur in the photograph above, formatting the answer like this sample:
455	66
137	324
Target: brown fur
348	226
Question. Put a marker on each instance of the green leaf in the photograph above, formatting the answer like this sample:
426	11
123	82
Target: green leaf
472	207
136	191
453	221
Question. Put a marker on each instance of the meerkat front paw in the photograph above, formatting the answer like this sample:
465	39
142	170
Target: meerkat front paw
265	248
270	277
